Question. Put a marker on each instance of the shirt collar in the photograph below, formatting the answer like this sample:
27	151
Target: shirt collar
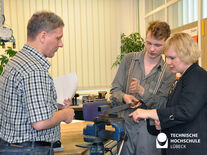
45	63
140	58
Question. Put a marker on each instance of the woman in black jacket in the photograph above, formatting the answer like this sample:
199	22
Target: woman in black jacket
184	120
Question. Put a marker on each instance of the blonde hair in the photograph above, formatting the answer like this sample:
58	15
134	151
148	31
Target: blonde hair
185	46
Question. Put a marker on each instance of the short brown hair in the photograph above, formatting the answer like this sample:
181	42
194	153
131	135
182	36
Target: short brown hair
185	47
43	20
159	30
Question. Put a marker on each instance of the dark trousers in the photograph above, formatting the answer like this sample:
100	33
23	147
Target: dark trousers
26	148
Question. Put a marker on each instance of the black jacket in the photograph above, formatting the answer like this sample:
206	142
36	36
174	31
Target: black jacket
185	118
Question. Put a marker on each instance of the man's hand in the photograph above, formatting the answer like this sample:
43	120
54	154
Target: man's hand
69	115
136	88
129	99
66	115
67	102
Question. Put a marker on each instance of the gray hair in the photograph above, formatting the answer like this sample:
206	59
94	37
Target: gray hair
43	21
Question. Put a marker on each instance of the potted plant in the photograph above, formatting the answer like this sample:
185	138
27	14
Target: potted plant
4	58
132	43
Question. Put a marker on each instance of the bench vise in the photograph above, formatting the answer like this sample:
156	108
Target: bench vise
105	134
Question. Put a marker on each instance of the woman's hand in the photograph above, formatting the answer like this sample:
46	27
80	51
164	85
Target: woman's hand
139	114
157	125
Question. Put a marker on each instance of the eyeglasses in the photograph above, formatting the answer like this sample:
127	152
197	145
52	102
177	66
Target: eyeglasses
172	87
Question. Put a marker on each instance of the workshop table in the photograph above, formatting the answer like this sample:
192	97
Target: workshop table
71	135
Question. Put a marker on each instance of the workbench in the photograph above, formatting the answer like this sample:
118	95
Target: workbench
71	135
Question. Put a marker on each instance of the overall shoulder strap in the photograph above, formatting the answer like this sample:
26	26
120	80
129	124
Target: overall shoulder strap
151	127
160	78
136	54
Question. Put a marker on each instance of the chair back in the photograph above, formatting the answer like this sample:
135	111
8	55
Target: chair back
90	109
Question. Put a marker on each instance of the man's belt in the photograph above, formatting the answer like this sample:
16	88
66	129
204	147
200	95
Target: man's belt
35	143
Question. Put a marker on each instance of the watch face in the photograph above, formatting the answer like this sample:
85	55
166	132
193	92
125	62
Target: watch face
2	19
5	33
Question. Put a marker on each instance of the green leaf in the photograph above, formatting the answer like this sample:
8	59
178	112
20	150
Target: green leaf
4	60
132	43
1	69
10	52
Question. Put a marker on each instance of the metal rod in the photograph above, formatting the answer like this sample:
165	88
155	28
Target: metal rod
120	149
